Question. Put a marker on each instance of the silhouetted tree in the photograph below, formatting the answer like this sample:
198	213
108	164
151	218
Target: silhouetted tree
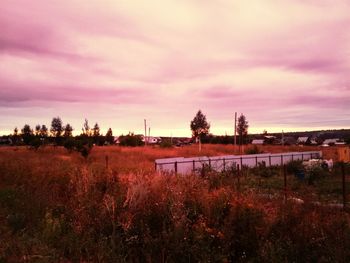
15	137
56	127
199	126
86	128
109	136
68	130
242	128
27	134
26	130
43	131
37	130
96	130
96	134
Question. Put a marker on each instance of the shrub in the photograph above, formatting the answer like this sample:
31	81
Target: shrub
166	143
130	140
314	173
294	167
253	150
264	171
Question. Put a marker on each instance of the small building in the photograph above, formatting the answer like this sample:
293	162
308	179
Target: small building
152	140
258	141
270	139
5	140
330	142
303	140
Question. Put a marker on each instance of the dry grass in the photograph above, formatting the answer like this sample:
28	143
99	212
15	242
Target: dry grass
56	206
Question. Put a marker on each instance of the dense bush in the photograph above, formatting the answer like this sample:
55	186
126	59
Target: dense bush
253	150
294	167
166	143
130	140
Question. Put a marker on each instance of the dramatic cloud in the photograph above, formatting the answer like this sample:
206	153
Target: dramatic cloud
284	64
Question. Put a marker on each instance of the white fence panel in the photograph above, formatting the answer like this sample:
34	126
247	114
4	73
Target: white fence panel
167	164
219	163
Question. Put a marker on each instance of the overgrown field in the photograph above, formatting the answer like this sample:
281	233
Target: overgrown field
57	206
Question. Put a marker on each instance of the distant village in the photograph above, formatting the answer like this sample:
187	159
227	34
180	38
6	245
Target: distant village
314	138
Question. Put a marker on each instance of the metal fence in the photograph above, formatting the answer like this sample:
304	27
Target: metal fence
183	165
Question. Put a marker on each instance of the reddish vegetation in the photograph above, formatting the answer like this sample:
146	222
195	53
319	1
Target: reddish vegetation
56	206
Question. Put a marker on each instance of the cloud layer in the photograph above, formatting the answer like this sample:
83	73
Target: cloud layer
284	64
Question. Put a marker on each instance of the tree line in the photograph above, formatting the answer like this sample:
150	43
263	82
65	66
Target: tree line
200	130
60	135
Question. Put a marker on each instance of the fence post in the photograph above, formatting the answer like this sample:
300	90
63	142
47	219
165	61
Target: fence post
106	161
256	161
224	163
241	162
193	166
302	157
292	157
175	167
285	182
269	160
344	185
238	178
209	163
281	159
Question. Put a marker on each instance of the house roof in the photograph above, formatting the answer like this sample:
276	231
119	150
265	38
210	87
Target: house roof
303	139
328	141
256	141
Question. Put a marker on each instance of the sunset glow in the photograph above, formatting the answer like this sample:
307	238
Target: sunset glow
284	64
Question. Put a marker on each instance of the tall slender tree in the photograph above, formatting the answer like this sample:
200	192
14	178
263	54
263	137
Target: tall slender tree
37	130
68	129
43	131
109	136
96	130
27	134
242	128
56	127
86	128
199	126
15	137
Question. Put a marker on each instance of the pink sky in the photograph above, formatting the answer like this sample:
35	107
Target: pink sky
285	64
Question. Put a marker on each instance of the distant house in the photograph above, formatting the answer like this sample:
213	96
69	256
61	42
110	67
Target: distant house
330	142
303	140
270	139
258	141
5	140
152	140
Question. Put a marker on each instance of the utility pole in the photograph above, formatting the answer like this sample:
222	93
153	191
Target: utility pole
145	123
235	129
